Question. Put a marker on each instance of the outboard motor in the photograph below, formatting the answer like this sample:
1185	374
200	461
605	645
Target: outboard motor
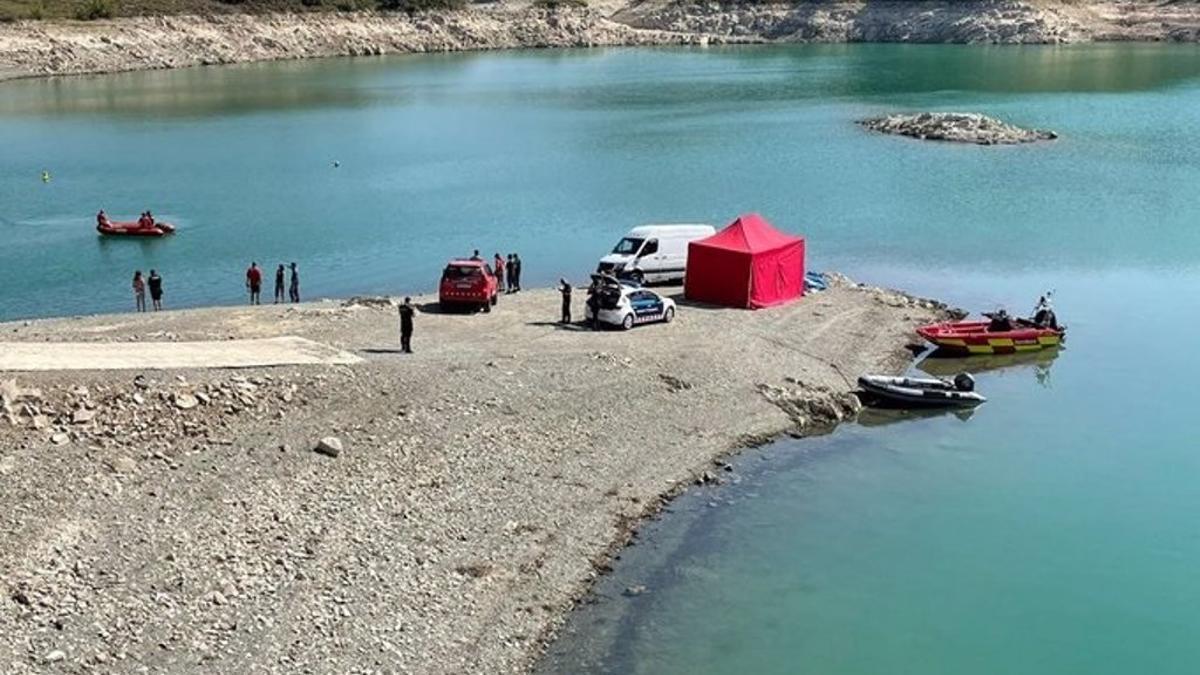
964	382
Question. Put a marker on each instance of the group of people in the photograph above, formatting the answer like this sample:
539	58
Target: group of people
145	221
254	280
507	270
154	282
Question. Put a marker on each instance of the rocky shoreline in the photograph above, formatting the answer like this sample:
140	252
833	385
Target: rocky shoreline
956	128
37	48
440	512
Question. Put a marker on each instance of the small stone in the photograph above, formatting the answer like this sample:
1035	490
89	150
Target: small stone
55	656
122	464
82	416
330	446
60	438
40	421
186	401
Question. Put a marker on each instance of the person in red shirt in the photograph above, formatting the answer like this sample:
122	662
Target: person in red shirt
254	282
498	268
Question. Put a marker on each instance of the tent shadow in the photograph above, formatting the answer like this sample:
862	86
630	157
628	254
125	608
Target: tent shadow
683	301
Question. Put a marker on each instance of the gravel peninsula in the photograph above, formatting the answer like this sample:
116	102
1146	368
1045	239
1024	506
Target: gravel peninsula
31	48
437	512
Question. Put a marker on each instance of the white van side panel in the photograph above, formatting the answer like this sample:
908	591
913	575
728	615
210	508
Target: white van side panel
669	262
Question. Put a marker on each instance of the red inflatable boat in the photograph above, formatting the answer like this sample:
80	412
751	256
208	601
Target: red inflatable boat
974	337
115	228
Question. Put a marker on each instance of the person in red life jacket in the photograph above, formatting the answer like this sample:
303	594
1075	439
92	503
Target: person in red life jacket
498	268
254	283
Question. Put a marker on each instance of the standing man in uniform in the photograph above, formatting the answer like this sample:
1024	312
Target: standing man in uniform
406	325
254	283
509	270
516	263
279	284
565	289
156	290
294	288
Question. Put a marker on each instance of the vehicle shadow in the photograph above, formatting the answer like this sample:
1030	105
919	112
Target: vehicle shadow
573	326
438	308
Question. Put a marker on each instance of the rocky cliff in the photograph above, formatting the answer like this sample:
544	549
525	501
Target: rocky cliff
30	48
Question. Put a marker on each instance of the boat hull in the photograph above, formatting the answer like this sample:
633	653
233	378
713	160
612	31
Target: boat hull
918	392
973	337
133	229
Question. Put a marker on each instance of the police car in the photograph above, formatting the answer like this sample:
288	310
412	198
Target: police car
628	305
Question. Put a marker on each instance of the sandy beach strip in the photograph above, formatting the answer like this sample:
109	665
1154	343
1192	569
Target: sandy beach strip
180	521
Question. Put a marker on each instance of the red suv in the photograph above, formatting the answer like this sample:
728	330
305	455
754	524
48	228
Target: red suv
468	283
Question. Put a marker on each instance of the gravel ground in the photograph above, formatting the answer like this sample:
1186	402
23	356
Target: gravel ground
181	521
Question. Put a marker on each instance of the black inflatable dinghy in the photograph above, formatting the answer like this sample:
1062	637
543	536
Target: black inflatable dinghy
924	392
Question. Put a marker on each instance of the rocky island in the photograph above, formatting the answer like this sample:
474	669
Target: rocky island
956	128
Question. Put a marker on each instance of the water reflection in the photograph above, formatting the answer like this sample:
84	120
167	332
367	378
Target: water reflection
1039	363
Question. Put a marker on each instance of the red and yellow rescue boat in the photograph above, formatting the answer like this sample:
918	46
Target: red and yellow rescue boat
973	337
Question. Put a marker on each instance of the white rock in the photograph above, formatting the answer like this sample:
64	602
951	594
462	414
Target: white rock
186	401
330	446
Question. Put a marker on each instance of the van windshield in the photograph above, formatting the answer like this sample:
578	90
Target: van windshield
628	246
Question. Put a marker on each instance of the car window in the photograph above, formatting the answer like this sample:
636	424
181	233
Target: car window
642	295
461	272
650	247
628	246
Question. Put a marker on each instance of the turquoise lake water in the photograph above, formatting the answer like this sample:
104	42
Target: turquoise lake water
1057	530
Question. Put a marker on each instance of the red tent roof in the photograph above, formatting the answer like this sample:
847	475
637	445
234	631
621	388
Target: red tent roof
750	233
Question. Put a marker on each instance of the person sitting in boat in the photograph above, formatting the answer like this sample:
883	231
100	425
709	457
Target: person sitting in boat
102	218
150	219
1001	322
1043	313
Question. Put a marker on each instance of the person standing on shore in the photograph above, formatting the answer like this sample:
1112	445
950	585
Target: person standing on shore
565	289
475	256
254	283
279	284
156	290
508	272
406	325
498	269
139	291
294	288
517	272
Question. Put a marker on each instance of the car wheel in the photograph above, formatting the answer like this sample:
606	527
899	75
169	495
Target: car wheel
627	322
487	306
640	277
495	298
669	315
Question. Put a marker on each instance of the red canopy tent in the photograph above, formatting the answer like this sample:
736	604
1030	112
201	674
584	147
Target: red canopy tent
747	264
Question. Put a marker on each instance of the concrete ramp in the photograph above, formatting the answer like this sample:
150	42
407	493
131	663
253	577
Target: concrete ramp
278	351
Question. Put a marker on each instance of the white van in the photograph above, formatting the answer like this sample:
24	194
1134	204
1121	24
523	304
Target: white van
651	253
